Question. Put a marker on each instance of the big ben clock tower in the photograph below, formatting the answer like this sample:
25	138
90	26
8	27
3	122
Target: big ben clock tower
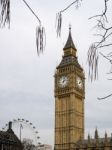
69	99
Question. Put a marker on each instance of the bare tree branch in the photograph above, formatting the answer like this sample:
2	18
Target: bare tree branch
107	57
5	19
58	23
32	11
40	32
95	47
77	2
102	98
103	14
105	45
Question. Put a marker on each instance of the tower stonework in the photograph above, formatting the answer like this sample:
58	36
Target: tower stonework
69	99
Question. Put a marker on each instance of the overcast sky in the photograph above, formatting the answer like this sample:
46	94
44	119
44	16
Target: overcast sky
26	80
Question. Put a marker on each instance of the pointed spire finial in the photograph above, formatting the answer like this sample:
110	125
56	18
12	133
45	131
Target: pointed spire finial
89	138
106	136
69	27
69	43
96	133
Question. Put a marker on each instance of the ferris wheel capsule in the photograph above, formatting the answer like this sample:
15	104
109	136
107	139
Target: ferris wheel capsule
39	143
14	120
36	132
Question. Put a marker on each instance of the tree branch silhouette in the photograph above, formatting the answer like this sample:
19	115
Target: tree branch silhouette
5	20
58	23
96	47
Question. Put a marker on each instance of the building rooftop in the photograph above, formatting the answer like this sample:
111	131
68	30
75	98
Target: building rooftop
9	136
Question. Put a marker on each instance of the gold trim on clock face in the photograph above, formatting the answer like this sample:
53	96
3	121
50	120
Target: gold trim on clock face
79	82
63	81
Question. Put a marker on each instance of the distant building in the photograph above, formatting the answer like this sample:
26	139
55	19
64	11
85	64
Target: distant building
44	147
9	141
95	143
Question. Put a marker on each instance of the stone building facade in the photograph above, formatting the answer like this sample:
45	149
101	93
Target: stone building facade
69	105
69	98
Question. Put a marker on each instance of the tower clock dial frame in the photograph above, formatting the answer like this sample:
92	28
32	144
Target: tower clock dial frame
79	82
63	81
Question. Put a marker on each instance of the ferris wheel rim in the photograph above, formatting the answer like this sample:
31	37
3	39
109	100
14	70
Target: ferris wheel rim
26	122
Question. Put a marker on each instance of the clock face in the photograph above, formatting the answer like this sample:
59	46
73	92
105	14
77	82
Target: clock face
79	83
63	81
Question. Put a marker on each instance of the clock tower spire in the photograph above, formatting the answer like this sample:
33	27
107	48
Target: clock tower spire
69	48
69	98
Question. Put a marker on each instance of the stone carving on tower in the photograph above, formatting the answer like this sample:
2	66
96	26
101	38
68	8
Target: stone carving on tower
69	98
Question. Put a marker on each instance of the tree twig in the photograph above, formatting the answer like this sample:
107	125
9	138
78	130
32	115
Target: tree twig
102	98
102	20
76	1
32	11
5	19
58	23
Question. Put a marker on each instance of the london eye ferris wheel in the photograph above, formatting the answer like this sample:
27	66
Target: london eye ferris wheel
24	129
